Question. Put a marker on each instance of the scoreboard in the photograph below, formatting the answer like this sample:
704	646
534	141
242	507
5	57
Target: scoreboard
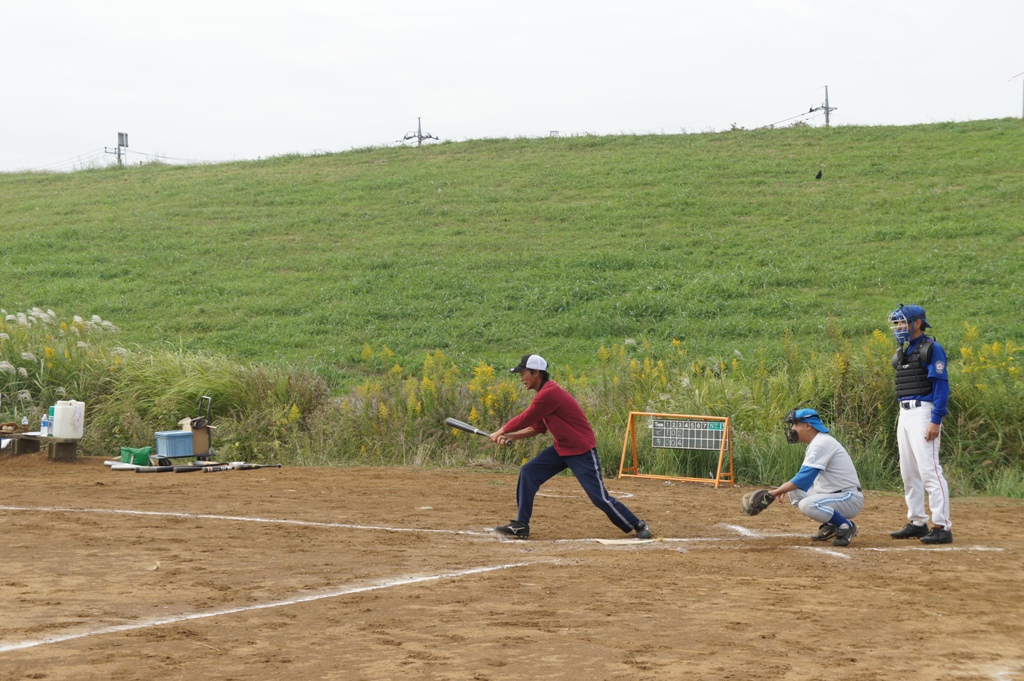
682	434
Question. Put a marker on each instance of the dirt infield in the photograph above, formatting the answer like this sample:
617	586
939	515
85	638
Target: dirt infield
392	574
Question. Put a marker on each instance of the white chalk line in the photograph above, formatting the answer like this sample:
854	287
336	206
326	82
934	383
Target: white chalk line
1008	674
211	516
161	621
930	549
617	495
827	552
755	534
744	532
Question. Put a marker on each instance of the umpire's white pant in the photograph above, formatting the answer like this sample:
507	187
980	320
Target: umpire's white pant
919	466
820	507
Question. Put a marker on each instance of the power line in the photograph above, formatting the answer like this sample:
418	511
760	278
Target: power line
90	156
784	120
163	157
824	107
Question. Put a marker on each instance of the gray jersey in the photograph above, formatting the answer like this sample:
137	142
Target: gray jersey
837	472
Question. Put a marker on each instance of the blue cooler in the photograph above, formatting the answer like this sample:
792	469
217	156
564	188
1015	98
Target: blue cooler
173	443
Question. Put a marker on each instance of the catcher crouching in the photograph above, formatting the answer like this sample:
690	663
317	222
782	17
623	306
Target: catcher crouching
826	489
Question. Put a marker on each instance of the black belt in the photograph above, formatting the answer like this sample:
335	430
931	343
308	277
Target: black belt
840	491
910	404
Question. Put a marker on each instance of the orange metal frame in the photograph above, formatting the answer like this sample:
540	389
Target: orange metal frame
721	476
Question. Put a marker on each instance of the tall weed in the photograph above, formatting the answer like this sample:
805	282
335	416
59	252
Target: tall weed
396	415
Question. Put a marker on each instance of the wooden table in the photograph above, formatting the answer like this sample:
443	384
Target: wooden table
57	448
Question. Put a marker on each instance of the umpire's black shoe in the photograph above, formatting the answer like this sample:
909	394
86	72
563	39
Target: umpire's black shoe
826	531
938	535
910	531
515	529
844	535
643	530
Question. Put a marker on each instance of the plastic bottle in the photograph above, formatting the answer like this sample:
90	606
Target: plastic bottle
44	426
24	423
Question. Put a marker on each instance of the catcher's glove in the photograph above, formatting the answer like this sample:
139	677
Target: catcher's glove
756	501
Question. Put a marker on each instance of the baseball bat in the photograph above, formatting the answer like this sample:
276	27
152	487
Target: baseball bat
153	469
238	466
462	425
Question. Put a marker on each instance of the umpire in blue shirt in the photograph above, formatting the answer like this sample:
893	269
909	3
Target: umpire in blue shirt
922	390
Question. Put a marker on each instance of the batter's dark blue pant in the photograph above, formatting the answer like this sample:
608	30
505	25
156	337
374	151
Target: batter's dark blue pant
587	469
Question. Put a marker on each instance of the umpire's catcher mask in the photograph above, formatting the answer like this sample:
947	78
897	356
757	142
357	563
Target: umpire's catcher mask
900	325
803	416
791	435
902	319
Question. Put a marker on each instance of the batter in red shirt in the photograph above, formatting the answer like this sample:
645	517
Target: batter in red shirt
554	410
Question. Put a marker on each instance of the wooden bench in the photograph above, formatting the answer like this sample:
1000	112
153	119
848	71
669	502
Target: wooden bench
57	448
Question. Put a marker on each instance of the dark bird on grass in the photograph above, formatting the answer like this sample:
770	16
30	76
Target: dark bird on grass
818	176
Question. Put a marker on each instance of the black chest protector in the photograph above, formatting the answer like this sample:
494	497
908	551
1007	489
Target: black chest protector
912	370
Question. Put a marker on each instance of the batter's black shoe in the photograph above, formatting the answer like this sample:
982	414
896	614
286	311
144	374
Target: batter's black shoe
826	531
910	531
844	535
515	529
938	535
643	530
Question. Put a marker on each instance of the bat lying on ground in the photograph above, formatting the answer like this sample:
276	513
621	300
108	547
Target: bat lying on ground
462	425
208	466
121	466
138	468
166	468
213	467
239	466
187	468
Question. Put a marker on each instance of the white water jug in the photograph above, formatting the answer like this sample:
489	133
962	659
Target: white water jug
78	421
68	419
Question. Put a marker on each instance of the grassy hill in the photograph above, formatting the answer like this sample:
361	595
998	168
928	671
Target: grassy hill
489	249
338	307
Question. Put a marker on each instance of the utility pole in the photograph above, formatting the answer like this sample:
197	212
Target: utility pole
122	142
826	108
418	135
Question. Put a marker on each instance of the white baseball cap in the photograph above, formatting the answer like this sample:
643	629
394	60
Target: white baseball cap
535	362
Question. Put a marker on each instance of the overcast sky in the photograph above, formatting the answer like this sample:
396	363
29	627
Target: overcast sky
221	80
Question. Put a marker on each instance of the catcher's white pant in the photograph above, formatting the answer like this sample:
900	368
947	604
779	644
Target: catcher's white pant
920	467
819	507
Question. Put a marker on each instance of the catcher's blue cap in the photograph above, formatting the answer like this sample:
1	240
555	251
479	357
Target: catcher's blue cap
810	416
913	313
